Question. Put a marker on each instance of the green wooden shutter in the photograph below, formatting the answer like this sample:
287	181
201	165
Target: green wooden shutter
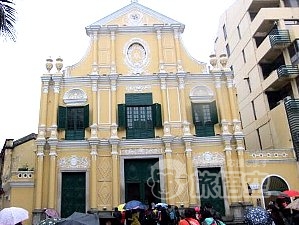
86	116
62	116
157	117
214	115
139	99
121	115
193	112
197	108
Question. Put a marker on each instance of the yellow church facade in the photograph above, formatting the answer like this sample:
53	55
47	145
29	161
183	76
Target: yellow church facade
139	118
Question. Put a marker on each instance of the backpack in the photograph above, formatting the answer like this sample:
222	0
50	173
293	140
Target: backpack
172	215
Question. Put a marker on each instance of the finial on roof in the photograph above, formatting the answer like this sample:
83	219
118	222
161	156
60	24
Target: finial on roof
134	1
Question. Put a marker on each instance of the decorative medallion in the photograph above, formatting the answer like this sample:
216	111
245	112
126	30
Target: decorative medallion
135	18
136	55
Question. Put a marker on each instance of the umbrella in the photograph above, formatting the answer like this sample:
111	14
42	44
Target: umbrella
293	205
134	204
13	215
78	218
121	207
257	216
291	193
162	204
49	221
52	213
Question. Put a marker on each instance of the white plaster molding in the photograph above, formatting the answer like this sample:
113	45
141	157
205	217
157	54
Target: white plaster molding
138	88
136	53
75	96
209	159
201	94
74	161
141	151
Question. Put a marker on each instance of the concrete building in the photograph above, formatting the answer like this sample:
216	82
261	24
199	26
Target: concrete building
261	40
138	118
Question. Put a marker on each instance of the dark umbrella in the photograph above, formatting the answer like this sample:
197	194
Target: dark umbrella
257	216
134	204
49	221
80	219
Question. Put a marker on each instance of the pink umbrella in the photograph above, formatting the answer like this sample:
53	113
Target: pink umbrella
13	215
291	193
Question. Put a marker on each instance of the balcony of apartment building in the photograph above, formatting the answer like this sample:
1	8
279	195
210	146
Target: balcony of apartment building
256	5
292	111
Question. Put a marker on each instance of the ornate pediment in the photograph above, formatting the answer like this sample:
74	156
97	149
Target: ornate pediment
133	15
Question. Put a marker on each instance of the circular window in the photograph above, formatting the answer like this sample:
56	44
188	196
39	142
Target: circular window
136	54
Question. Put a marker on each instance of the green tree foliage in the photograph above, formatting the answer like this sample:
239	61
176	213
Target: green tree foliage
7	19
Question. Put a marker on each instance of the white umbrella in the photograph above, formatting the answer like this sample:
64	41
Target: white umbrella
294	205
162	204
13	215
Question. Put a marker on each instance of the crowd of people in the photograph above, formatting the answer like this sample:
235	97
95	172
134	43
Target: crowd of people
169	215
281	214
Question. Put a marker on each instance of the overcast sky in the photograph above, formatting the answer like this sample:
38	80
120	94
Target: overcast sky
57	28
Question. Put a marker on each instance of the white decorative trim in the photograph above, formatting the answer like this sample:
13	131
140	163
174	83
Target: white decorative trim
201	94
75	96
138	88
74	162
209	159
136	53
141	151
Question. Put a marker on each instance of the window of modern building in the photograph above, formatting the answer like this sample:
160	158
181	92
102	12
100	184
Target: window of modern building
294	52
204	118
244	56
247	79
253	109
291	3
224	32
259	138
139	116
227	50
239	32
73	120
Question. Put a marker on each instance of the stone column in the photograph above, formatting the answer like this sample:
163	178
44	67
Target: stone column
177	47
241	163
39	174
185	123
113	53
166	125
43	106
93	175
94	86
160	49
57	80
95	54
52	173
115	172
190	171
170	194
230	172
113	86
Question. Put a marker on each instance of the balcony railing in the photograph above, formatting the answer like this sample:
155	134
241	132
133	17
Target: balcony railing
279	38
292	110
288	71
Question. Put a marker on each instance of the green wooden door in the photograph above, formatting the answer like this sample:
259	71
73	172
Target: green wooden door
142	180
211	189
73	193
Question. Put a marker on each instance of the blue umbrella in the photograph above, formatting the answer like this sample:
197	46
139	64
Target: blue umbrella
134	204
257	216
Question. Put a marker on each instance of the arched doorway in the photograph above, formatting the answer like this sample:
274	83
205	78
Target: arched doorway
272	188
